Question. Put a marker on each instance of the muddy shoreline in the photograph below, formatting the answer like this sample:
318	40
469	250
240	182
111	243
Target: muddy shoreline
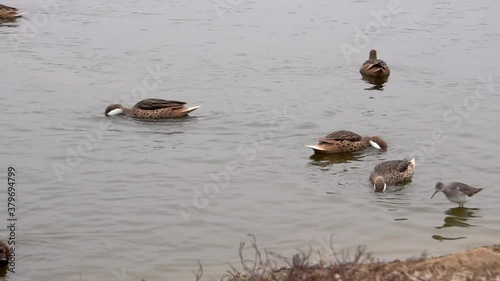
482	263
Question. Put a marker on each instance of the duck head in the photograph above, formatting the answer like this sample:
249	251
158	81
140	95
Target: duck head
439	187
379	184
373	55
378	142
114	109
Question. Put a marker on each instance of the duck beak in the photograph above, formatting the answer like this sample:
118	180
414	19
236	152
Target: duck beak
435	193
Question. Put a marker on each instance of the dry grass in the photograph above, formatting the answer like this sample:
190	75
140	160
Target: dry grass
477	264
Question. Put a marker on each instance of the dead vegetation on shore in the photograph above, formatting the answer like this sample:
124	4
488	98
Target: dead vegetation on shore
477	264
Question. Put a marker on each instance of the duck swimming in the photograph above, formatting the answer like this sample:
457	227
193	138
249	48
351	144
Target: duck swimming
346	141
151	109
391	172
374	69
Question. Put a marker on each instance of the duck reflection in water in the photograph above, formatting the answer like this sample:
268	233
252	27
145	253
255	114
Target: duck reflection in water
459	216
378	83
325	160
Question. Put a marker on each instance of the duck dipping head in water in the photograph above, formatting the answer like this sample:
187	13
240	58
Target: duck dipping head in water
151	109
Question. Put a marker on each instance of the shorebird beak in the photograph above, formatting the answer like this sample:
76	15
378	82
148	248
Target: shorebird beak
435	193
374	144
115	112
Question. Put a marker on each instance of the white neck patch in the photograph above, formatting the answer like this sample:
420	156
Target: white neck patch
115	112
374	144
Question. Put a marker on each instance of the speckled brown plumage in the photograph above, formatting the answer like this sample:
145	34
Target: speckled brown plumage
392	172
345	141
152	109
9	13
374	68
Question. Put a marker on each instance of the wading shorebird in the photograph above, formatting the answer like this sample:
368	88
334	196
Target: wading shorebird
151	109
346	141
456	192
9	13
392	172
375	68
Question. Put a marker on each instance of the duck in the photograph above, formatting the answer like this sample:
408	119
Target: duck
151	109
346	141
9	13
456	192
391	172
374	69
4	258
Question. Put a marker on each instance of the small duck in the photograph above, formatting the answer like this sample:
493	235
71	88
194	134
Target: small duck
346	141
4	258
456	192
151	109
374	68
392	172
9	13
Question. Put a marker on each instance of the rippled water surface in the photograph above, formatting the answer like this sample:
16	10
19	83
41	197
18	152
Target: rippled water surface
99	198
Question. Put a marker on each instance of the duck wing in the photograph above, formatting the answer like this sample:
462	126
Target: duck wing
402	165
152	104
376	64
392	166
341	135
5	7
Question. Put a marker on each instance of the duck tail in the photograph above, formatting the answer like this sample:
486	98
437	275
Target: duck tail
316	147
190	109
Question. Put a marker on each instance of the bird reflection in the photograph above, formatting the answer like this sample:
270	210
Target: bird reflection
441	238
377	82
325	160
458	217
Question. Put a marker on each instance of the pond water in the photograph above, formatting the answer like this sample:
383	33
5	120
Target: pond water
120	199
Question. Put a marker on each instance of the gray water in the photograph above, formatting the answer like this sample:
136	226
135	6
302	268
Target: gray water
120	199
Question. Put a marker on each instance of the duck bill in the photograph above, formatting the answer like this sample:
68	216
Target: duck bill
434	193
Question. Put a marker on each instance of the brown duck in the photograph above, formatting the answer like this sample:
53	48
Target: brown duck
375	68
9	13
346	141
392	172
151	109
